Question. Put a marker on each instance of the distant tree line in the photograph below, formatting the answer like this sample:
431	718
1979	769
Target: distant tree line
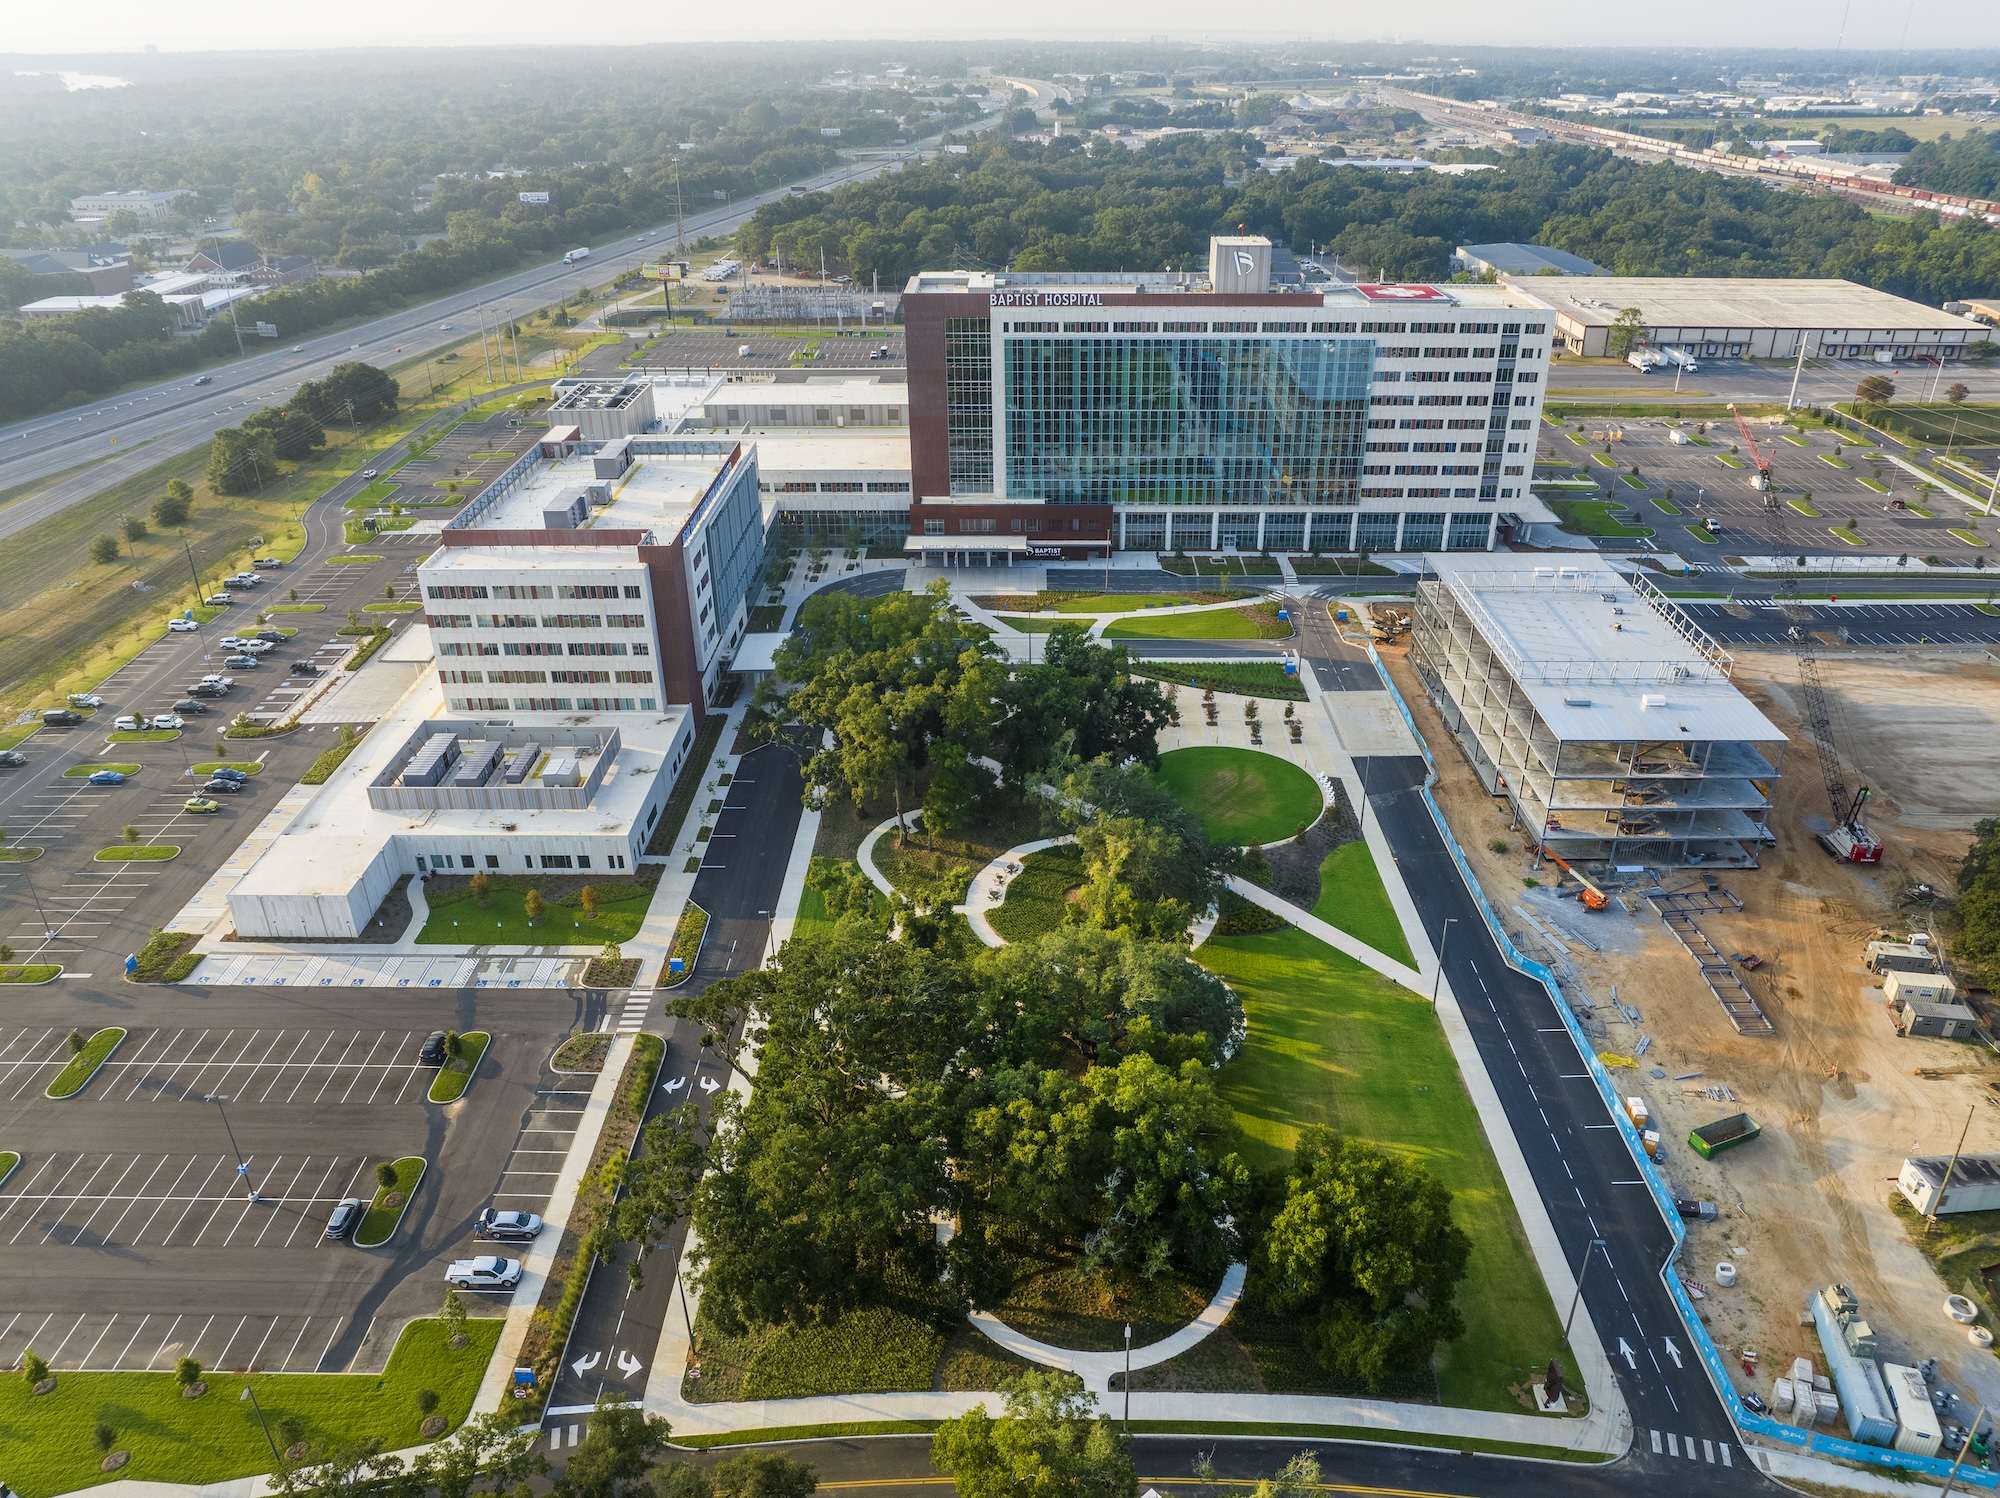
245	457
1968	167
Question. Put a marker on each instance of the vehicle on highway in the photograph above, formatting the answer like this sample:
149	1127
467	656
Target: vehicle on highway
200	804
581	252
61	717
108	777
341	1220
126	724
222	787
305	668
513	1227
13	759
298	348
182	626
204	379
487	1272
432	1052
444	327
219	599
269	562
190	705
168	720
352	347
228	772
240	662
369	473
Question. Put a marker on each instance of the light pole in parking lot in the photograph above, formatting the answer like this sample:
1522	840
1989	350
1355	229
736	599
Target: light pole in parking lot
246	1394
242	1165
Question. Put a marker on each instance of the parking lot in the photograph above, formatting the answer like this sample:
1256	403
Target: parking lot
127	1236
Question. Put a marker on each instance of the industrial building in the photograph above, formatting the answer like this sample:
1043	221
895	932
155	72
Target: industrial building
1219	413
1731	317
149	207
1601	712
580	611
1522	260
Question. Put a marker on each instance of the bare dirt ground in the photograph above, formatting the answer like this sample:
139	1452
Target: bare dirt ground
1837	1093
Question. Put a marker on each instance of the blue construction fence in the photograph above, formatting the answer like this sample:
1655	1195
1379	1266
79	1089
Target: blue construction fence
1704	1345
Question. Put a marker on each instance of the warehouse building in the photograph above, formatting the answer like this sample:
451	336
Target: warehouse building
1217	414
1732	317
1601	712
1522	260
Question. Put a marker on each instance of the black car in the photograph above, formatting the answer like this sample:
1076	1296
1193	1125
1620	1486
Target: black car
304	668
208	689
1755	1405
433	1052
229	772
220	786
13	759
190	705
344	1217
275	636
61	717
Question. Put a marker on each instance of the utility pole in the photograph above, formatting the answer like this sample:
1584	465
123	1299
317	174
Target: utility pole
192	572
1792	401
1971	1434
1128	1378
1591	1247
1444	936
1930	1217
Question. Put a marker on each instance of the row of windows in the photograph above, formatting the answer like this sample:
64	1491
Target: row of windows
555	704
1514	329
1433	400
534	590
873	486
529	621
1424	447
1221	327
443	861
1434	376
1460	351
539	678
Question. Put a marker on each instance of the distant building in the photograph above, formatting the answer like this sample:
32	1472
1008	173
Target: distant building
1522	260
107	267
284	272
149	207
227	257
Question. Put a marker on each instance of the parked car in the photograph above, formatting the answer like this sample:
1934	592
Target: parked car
432	1053
253	647
182	626
126	724
305	668
108	777
208	689
217	679
169	720
487	1272
230	642
81	700
228	772
240	662
61	717
200	804
273	636
13	759
513	1227
223	787
190	705
269	562
345	1214
217	600
1755	1404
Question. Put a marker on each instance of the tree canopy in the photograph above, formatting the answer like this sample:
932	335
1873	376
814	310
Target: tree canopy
1049	1443
1977	913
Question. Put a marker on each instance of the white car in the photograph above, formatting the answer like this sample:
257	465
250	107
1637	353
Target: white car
487	1272
232	641
254	647
216	679
182	626
126	724
444	327
169	720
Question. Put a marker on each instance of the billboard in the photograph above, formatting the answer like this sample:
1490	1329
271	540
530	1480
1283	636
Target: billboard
666	270
534	197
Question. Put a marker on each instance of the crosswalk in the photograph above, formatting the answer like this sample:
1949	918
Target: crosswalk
633	1019
1670	1443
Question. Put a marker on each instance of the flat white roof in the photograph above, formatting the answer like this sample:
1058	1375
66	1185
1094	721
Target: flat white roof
864	451
1737	302
1601	656
657	495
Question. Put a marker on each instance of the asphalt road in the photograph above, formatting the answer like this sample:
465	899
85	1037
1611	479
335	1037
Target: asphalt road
129	1238
158	421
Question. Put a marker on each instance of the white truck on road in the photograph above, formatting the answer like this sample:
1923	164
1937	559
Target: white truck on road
582	252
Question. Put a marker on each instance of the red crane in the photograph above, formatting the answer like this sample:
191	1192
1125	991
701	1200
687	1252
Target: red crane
1757	456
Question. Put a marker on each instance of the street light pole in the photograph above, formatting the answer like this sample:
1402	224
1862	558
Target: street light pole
1128	1378
1594	1245
246	1394
1971	1434
1444	936
242	1165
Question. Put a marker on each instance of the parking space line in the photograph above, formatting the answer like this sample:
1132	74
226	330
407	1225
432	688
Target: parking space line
199	1335
373	1047
283	1196
109	1196
163	1342
319	1193
140	1235
59	1180
135	1337
100	1338
333	1068
295	1344
321	1361
297	1045
81	1318
292	1096
222	1358
191	1205
207	1090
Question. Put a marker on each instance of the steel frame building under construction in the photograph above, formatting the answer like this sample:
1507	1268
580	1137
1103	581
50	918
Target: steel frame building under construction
1602	713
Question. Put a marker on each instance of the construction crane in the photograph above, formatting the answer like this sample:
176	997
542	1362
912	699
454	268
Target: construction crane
1759	457
1592	897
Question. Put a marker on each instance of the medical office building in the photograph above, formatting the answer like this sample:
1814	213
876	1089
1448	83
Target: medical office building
1058	415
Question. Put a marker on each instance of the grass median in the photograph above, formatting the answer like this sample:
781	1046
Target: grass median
30	973
1256	622
143	736
78	772
392	1200
137	853
83	1064
456	1076
1353	899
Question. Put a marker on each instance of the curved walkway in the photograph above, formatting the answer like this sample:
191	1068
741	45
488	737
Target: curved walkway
988	890
1096	1368
865	855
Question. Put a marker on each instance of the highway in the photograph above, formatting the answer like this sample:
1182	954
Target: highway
135	429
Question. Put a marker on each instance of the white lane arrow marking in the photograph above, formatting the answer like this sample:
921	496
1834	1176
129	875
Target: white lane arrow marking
584	1365
1672	1351
710	1085
1625	1352
628	1364
677	1084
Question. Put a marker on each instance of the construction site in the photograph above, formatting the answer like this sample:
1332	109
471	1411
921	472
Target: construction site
1784	1071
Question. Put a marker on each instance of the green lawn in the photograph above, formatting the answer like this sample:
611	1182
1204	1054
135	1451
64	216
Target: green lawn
1852	538
1037	897
1830	459
247	766
1804	507
1025	625
1256	622
143	736
34	972
1241	795
1592	517
1243	678
137	853
1352	899
1119	603
83	1065
1665	506
1966	536
1603	460
1701	535
404	606
46	1448
1728	462
456	917
8	1160
456	1075
1333	1043
1631	481
295	608
77	772
385	1213
350	561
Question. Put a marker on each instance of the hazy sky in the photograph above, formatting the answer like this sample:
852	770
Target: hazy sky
124	25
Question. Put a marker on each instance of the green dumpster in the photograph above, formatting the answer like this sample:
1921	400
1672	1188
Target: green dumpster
1711	1139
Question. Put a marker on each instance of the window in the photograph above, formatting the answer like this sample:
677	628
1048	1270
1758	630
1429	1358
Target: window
465	860
888	488
524	591
844	488
625	621
531	647
632	590
493	860
583	860
641	649
477	704
556	861
634	678
572	621
579	678
972	526
517	678
463	678
1284	327
461	647
796	487
587	590
506	621
454	591
600	649
448	621
544	704
933	527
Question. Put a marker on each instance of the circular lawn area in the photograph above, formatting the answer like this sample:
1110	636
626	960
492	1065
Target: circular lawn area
1242	796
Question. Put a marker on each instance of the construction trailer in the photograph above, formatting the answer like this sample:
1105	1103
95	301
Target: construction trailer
1902	956
1602	712
1975	1183
1940	1021
1864	1398
1927	988
1917	1430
